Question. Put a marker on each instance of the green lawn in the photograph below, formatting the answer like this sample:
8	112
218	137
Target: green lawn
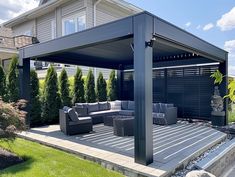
42	161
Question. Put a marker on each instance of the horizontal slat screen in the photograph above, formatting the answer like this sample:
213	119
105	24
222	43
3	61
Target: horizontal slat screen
190	89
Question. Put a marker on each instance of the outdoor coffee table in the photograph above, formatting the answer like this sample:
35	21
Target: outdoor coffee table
123	126
108	120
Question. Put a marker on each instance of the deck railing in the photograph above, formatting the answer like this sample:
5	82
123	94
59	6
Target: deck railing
17	42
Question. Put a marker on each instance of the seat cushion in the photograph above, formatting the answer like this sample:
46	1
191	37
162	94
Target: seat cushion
131	105
92	107
127	112
104	113
73	115
158	115
103	106
124	105
116	105
81	120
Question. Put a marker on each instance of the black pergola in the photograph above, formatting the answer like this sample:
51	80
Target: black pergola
134	42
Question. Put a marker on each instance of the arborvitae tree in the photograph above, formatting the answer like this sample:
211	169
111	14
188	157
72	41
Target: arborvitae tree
90	88
51	99
35	104
112	86
2	83
64	89
101	91
13	80
78	88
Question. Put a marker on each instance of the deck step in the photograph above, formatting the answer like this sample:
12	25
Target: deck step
218	160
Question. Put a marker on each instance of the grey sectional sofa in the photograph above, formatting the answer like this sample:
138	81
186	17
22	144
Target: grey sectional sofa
162	113
71	123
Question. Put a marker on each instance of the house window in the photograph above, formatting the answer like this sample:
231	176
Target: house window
53	29
74	24
28	33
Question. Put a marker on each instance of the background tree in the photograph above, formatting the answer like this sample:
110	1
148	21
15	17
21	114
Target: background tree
78	88
101	90
35	104
112	86
13	80
51	99
2	83
64	89
90	88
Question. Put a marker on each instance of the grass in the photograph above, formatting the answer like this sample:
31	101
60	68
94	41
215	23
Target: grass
43	161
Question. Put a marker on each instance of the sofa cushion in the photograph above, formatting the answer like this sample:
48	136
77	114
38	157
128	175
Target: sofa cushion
116	105
66	108
92	107
73	115
170	105
126	112
131	105
104	113
158	115
162	108
79	105
81	120
124	105
103	106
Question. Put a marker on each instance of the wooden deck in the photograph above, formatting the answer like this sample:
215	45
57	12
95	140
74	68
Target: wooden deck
174	146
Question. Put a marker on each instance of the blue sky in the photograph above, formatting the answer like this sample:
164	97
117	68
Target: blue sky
194	15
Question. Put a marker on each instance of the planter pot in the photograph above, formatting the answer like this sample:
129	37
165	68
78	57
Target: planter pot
218	119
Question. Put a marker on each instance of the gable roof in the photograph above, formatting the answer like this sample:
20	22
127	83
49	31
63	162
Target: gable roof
45	6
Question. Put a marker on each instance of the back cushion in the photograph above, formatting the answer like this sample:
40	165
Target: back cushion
163	107
66	108
170	105
131	105
103	106
79	105
73	115
93	107
116	105
124	105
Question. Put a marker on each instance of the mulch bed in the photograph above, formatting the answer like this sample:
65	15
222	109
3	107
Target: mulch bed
8	159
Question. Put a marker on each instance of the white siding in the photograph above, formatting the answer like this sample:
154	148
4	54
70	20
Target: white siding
107	12
24	27
72	7
89	13
44	27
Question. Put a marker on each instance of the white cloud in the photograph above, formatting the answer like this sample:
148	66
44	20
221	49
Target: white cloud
227	21
13	8
208	26
188	24
198	26
230	47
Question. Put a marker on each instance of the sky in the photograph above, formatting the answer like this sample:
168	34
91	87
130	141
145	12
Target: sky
211	20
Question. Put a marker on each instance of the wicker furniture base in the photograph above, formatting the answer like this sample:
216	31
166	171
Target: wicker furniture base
123	126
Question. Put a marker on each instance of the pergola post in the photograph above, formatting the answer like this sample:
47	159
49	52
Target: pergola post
24	76
223	68
143	59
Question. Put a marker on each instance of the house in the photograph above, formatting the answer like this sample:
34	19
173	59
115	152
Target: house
56	18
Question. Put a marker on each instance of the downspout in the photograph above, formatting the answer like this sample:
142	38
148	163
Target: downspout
94	24
94	12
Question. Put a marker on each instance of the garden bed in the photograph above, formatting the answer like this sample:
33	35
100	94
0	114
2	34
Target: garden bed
8	159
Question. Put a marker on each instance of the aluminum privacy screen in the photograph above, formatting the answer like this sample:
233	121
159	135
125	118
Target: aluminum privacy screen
190	89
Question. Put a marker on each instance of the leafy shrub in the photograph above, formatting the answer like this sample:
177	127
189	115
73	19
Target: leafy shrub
101	91
90	88
51	99
78	88
64	89
112	86
12	119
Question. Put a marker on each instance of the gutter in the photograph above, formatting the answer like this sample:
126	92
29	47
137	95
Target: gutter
34	13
